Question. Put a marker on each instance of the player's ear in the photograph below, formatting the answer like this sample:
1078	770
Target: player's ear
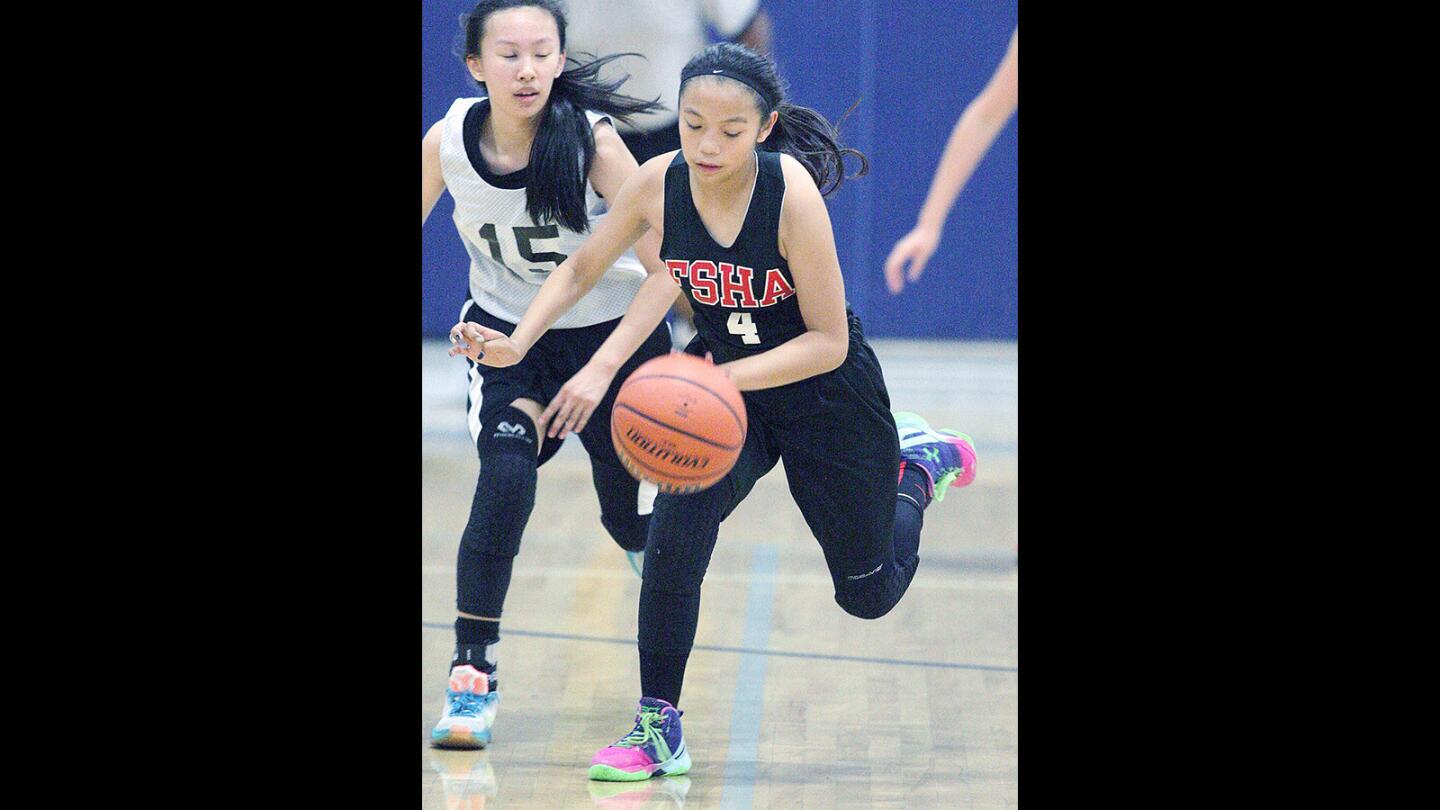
560	69
473	64
768	125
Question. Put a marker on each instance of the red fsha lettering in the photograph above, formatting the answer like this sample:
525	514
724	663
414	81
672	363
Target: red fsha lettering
702	282
730	286
679	268
733	289
776	288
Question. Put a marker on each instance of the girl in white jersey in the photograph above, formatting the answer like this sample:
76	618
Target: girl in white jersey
531	165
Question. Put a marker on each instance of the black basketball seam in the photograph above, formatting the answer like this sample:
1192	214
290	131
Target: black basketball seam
738	421
650	418
630	461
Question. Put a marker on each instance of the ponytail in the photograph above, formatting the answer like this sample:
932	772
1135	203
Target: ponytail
807	136
555	186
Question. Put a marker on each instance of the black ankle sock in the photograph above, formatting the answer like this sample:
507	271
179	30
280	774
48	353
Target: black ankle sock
909	517
475	631
915	483
475	641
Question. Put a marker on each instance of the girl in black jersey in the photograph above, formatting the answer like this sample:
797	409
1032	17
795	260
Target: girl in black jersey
746	235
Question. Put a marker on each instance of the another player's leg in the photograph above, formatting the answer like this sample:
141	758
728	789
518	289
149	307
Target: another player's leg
508	444
625	503
683	530
625	506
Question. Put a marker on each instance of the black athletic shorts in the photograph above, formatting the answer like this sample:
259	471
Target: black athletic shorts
550	363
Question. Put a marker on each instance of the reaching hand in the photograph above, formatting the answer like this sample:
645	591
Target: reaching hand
914	247
571	408
484	345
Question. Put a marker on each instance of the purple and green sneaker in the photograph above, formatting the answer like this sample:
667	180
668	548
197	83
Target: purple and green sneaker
655	747
946	456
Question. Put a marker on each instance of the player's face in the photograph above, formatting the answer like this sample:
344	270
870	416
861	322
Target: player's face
520	58
719	128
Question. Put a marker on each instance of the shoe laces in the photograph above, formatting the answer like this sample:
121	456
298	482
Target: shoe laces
466	704
647	729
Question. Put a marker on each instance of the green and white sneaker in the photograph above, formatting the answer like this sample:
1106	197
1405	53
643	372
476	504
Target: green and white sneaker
947	456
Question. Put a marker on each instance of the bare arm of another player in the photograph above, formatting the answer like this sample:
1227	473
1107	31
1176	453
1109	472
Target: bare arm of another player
808	245
622	227
432	180
756	36
570	409
971	138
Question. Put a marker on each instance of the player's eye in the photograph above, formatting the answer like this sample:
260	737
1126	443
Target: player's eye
733	134
693	126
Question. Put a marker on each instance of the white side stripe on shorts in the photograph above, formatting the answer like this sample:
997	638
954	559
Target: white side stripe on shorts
645	498
472	394
472	416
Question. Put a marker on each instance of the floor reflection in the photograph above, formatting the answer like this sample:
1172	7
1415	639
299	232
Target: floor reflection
465	776
662	791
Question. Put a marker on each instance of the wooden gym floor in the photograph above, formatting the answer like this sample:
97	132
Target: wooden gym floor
789	702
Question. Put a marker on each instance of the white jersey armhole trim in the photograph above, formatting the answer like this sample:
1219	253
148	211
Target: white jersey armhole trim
595	119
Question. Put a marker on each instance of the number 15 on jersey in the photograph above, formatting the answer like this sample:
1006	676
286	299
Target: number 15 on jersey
515	249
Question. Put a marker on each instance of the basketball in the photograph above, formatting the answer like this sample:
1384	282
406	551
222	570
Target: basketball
678	422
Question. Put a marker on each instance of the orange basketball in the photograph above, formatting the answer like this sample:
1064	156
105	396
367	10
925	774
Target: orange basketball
678	422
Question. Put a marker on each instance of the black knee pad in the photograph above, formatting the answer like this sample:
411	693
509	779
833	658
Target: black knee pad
505	491
868	595
864	604
508	430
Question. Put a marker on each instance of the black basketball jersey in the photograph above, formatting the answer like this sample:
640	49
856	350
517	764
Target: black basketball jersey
743	295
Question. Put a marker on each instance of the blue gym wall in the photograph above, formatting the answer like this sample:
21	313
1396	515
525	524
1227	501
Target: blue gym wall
914	66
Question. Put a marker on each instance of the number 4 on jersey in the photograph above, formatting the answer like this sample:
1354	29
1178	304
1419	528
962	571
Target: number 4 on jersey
740	323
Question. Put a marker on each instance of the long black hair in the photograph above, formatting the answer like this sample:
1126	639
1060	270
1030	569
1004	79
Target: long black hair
800	132
555	180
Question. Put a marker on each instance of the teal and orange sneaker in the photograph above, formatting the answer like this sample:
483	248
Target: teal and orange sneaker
655	747
469	711
946	456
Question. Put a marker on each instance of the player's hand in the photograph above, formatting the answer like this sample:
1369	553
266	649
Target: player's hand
725	367
915	247
570	410
483	345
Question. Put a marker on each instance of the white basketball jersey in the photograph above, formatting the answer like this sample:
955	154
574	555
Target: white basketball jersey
511	255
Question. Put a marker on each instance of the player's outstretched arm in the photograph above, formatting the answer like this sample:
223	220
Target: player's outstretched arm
577	275
571	407
970	139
